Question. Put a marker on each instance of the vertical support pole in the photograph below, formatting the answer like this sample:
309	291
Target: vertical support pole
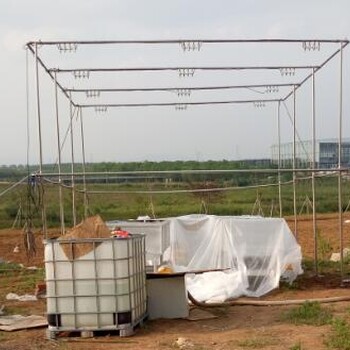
340	206
60	194
84	161
279	157
29	209
72	160
313	165
294	166
43	210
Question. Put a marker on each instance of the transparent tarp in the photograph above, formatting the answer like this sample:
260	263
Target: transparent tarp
253	254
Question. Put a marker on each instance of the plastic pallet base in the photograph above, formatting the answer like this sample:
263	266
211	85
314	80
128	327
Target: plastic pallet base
125	331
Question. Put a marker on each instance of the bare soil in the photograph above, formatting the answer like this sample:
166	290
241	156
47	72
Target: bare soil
235	327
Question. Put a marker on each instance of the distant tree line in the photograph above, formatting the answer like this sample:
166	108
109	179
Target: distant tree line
16	172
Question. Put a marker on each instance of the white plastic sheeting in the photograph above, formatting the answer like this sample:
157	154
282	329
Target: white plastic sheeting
254	252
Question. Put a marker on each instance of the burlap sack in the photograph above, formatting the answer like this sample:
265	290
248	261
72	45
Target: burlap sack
92	227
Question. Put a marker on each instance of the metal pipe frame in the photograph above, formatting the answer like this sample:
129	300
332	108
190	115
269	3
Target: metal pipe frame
279	158
340	205
29	224
37	83
160	69
176	88
60	194
297	133
344	43
309	76
165	104
71	114
82	137
313	184
341	44
205	190
203	171
34	51
178	41
294	167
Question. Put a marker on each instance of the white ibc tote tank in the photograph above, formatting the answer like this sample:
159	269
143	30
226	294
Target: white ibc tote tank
103	289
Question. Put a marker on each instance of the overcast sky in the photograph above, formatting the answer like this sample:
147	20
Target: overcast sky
224	132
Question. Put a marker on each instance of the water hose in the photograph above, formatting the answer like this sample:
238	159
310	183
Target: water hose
266	302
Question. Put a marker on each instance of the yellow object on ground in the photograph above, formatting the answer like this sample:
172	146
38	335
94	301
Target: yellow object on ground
165	269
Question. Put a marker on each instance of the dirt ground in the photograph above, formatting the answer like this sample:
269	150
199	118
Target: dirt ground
235	327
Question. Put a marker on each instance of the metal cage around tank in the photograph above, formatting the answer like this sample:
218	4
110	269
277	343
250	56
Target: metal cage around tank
95	284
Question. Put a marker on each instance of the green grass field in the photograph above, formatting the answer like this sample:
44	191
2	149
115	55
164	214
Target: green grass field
113	205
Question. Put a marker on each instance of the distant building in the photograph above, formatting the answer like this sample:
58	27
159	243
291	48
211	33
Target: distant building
326	154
